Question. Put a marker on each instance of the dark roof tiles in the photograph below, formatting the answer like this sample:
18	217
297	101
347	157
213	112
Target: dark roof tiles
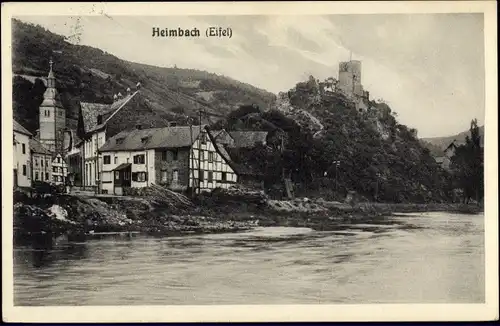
37	147
140	139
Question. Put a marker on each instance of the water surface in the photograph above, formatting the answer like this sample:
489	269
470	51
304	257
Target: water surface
416	258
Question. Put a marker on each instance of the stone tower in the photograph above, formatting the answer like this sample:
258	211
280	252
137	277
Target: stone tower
52	116
350	78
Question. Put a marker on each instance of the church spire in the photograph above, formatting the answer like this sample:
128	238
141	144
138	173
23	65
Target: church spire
51	79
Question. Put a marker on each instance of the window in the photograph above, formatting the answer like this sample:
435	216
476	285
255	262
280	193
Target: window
116	159
47	163
36	162
210	176
58	160
61	170
46	175
25	170
175	153
203	138
119	141
139	159
117	175
36	176
201	176
24	148
163	176
41	162
210	157
107	159
139	176
54	169
201	156
126	175
224	176
99	119
175	176
164	155
54	178
47	113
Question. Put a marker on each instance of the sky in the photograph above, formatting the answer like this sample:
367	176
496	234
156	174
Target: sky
428	67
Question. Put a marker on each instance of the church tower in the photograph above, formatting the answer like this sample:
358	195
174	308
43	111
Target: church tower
52	116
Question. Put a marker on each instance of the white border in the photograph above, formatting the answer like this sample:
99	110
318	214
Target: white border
365	312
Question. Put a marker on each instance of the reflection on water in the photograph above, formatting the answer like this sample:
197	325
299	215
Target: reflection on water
417	258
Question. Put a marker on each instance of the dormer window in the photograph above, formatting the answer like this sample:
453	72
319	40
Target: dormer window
203	138
119	140
99	119
145	139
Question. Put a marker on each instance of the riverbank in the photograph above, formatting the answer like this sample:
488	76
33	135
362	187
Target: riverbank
167	213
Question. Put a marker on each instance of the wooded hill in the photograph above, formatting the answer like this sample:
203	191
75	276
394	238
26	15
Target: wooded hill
88	74
380	158
438	144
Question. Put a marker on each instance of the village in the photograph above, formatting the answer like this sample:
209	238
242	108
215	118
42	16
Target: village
94	155
97	153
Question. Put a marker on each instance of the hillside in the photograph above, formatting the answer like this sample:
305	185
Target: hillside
440	143
380	158
88	74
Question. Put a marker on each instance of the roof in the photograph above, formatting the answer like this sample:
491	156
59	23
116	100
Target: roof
37	147
166	137
248	138
122	166
17	127
91	111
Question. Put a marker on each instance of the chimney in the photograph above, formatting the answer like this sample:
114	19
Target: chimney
128	91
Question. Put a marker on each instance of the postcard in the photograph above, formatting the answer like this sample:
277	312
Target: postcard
249	161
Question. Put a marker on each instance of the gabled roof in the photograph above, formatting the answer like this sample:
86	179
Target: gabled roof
17	127
140	139
37	147
91	111
248	138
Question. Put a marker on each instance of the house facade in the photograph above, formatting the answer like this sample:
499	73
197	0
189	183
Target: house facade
99	122
59	169
41	162
21	153
178	158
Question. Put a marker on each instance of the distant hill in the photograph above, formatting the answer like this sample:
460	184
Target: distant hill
438	144
88	74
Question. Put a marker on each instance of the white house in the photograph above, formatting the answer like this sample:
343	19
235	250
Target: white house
21	155
179	158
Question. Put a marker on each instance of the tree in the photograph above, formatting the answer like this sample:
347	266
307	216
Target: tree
468	165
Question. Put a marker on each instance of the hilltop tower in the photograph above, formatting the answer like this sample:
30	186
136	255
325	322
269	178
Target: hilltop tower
52	116
350	78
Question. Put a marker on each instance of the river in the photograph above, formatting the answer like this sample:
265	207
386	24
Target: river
411	258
